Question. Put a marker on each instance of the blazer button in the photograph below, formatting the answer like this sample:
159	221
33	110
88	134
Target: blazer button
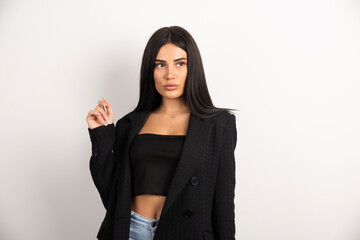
95	151
188	214
194	181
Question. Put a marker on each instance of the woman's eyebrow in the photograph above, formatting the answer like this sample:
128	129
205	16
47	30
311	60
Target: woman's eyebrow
159	60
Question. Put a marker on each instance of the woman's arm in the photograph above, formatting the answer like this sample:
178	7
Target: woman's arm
102	161
223	212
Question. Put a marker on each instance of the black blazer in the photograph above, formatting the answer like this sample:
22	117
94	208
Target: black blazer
200	201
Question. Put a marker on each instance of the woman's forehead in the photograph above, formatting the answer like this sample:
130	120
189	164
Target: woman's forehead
171	51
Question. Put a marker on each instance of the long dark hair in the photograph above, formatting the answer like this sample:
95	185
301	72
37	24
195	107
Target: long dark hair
196	93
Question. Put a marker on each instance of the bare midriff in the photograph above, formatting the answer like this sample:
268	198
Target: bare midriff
148	205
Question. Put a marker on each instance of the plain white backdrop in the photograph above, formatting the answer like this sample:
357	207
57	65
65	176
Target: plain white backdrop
291	67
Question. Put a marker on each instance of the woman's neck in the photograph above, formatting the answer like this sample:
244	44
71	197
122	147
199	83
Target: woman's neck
173	106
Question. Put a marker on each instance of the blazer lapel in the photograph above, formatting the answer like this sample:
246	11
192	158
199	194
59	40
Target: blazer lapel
196	140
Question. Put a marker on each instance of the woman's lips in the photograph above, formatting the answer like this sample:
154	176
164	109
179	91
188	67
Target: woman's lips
171	87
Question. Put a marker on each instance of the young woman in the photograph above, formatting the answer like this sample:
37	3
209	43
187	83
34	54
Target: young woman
167	170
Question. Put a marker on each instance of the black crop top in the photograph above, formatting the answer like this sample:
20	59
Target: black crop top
154	159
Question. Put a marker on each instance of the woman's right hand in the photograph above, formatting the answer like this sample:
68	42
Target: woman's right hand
98	116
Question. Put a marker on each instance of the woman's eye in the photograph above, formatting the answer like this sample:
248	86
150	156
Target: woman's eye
181	63
161	64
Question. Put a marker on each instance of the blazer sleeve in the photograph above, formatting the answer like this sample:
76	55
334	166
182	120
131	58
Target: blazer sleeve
102	161
223	212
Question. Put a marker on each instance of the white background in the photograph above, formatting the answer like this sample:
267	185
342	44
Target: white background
291	67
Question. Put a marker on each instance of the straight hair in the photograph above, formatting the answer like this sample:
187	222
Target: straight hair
196	93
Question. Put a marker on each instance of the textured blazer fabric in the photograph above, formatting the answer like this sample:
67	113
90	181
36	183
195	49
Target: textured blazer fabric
200	201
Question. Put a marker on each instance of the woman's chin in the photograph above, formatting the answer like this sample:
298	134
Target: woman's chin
172	94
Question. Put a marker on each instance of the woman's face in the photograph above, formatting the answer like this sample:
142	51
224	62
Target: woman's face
170	68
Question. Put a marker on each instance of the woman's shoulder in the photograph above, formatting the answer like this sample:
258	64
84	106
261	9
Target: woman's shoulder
222	117
127	117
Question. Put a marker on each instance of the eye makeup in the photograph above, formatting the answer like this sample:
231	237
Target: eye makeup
163	64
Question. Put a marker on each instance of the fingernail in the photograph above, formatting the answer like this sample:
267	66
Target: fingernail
106	117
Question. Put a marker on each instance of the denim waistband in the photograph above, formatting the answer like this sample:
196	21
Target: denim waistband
144	222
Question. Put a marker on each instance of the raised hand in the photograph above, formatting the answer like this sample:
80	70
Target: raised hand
101	115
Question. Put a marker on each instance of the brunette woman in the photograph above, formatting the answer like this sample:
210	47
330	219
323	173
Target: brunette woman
167	169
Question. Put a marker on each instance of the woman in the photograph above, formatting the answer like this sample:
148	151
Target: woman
167	170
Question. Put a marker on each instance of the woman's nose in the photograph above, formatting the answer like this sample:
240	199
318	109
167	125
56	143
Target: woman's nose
170	73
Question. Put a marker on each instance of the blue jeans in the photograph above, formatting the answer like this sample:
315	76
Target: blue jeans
142	228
